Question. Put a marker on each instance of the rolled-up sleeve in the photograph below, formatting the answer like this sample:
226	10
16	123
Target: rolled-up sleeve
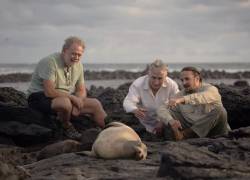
132	99
47	70
209	95
164	115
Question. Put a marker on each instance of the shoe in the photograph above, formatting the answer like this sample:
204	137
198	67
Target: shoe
72	133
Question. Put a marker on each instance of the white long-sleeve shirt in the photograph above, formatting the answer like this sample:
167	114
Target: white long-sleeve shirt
141	95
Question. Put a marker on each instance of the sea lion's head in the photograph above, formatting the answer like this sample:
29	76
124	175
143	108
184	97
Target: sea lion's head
140	151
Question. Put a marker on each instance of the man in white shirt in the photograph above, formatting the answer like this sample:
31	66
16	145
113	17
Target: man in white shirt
149	92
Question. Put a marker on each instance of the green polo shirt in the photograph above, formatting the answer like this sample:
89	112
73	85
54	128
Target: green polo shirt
52	68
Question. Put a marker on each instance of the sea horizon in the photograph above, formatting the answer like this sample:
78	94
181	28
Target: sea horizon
10	68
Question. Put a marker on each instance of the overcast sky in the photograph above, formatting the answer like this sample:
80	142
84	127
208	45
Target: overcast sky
127	31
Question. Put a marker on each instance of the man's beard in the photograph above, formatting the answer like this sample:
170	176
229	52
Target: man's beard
189	90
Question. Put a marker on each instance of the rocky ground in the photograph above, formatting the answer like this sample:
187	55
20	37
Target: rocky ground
24	132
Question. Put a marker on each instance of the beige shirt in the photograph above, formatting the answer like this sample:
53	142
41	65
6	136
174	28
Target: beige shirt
140	95
52	68
196	104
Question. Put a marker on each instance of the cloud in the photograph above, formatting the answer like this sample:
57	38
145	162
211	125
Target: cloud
127	31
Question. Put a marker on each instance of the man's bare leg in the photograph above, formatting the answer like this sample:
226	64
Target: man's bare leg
63	107
93	106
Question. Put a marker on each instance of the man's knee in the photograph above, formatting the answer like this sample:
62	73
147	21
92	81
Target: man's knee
94	103
221	120
62	104
220	113
97	103
220	124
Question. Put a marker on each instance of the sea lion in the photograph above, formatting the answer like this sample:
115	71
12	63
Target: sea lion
116	141
66	146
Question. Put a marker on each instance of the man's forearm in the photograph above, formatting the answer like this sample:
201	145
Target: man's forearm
80	91
81	95
129	106
164	115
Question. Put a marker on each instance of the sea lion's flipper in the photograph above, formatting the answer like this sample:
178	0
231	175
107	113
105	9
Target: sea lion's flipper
114	124
86	153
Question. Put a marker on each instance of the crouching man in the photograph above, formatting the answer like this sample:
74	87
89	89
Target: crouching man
196	111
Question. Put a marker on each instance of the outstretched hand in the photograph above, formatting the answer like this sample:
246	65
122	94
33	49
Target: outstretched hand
175	101
140	113
76	101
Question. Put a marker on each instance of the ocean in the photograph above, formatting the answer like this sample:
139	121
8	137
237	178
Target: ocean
228	67
29	68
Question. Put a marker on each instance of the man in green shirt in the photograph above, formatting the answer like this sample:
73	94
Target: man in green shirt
196	111
57	86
